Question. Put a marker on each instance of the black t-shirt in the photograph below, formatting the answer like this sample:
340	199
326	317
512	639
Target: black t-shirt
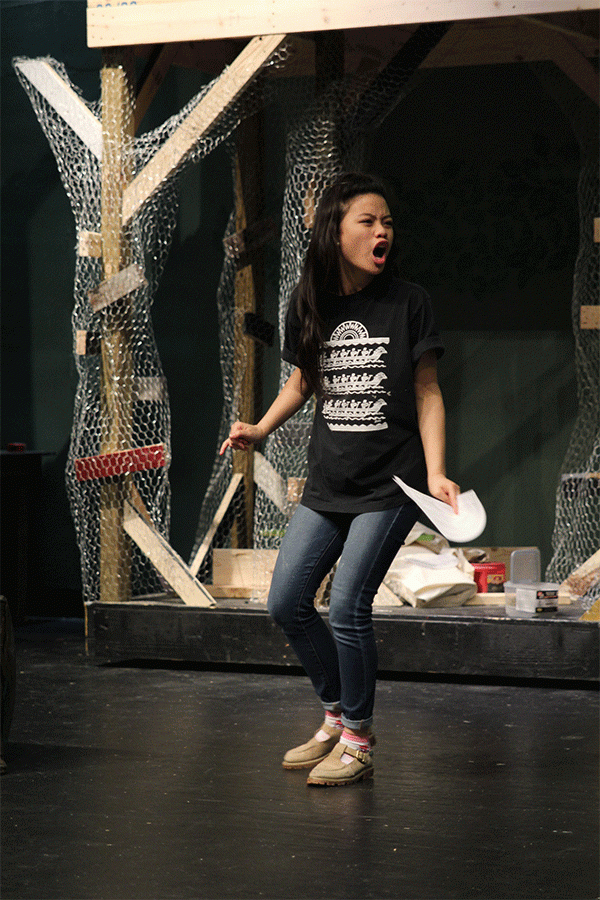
365	429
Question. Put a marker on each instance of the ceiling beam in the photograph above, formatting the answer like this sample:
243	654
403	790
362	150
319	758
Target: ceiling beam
165	21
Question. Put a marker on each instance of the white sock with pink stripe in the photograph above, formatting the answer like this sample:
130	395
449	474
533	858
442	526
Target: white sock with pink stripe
356	741
334	720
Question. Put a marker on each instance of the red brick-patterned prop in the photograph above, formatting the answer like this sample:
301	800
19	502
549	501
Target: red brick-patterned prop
120	462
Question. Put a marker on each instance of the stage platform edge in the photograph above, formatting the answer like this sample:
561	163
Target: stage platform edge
462	641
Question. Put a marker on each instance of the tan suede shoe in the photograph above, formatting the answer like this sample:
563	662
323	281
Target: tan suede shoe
309	754
332	771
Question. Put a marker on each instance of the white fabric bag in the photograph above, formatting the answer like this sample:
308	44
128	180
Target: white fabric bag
428	572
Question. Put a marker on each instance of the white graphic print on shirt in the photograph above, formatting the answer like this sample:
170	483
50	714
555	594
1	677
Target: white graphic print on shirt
355	364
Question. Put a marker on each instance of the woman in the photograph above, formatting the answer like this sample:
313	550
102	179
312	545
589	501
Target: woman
364	342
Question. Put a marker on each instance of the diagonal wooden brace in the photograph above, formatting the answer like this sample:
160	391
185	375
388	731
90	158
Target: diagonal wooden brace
215	103
218	518
118	286
164	559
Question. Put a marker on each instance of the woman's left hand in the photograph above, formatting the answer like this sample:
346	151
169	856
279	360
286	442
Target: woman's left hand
442	488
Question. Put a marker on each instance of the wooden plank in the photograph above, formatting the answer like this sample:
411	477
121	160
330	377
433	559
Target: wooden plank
152	80
218	518
87	343
158	21
258	329
149	388
295	488
136	501
242	245
67	103
593	613
589	317
573	28
243	568
248	299
120	462
229	591
597	230
268	479
492	41
89	243
165	560
567	57
248	573
209	110
116	374
117	287
582	579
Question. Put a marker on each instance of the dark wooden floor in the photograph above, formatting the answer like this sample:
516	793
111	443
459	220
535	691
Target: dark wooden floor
145	782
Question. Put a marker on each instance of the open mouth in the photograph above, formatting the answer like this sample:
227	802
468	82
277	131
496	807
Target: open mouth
380	251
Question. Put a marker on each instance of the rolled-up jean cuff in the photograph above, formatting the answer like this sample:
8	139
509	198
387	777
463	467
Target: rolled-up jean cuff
332	707
357	724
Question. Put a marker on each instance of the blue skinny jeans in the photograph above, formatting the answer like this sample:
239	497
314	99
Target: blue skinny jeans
342	666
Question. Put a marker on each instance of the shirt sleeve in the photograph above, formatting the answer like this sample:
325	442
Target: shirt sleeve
291	337
423	331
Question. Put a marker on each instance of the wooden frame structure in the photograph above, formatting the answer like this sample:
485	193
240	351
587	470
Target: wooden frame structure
237	42
166	21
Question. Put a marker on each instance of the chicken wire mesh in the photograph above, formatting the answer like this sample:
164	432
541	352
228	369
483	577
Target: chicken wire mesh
121	445
576	536
577	523
327	120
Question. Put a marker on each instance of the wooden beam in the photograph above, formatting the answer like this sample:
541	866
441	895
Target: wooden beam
593	613
566	56
116	380
67	103
158	21
209	110
149	388
248	299
243	568
589	318
493	41
164	559
151	80
218	518
242	245
89	243
269	480
87	343
582	579
117	286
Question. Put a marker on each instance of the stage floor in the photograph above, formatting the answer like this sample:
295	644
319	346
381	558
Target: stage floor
147	782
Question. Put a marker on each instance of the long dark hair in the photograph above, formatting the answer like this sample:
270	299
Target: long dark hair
321	271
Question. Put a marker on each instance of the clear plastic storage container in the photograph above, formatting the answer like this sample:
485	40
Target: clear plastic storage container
525	594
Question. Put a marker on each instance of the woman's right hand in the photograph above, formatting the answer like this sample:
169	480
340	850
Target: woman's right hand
241	436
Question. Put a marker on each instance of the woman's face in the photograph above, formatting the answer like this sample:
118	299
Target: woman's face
365	239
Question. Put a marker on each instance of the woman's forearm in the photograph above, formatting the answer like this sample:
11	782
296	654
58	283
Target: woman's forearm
431	414
292	396
432	427
431	417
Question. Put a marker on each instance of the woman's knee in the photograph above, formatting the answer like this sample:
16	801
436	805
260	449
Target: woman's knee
284	604
280	607
342	612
